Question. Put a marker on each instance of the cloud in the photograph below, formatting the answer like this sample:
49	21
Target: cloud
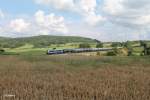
39	24
132	13
85	8
94	20
58	4
1	14
88	10
19	25
50	23
15	28
88	6
128	13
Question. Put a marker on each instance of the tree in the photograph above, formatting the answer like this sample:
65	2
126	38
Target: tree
128	44
99	45
2	50
129	52
142	43
146	50
97	41
84	45
116	44
111	53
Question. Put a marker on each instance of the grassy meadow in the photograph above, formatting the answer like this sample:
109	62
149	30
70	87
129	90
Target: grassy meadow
74	77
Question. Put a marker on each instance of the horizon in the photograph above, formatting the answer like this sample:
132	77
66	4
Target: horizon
70	36
105	20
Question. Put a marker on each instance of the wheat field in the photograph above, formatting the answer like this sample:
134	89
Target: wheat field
70	77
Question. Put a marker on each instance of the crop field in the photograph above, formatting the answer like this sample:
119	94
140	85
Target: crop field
72	77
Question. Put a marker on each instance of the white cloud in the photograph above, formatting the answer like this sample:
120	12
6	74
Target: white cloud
128	12
88	10
85	8
19	25
50	23
39	24
58	4
1	30
94	20
113	7
88	6
1	14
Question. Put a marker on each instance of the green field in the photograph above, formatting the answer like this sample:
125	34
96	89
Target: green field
29	49
38	45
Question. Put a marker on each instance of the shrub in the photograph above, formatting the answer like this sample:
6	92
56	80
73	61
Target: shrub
148	51
128	44
129	52
99	45
116	44
84	45
2	51
111	53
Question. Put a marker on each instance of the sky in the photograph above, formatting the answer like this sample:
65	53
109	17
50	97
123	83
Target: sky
105	20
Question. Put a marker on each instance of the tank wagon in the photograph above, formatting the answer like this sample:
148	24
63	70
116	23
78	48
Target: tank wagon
79	50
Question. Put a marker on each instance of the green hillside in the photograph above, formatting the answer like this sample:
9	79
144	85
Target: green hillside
3	39
42	41
40	44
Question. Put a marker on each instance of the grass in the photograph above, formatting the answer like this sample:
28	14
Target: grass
73	77
29	49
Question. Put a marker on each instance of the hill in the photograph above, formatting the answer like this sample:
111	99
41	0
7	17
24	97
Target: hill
42	41
3	39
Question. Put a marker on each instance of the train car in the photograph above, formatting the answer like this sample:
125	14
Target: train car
51	52
78	50
68	50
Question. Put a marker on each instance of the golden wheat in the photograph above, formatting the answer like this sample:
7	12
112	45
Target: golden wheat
60	78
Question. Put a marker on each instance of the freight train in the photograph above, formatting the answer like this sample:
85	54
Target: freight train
79	50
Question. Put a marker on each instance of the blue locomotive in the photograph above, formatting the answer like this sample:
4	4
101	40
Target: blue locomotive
51	52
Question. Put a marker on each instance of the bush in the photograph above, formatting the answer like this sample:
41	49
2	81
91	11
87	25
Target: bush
12	45
116	44
41	44
111	53
130	52
84	45
99	45
148	51
2	50
128	44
